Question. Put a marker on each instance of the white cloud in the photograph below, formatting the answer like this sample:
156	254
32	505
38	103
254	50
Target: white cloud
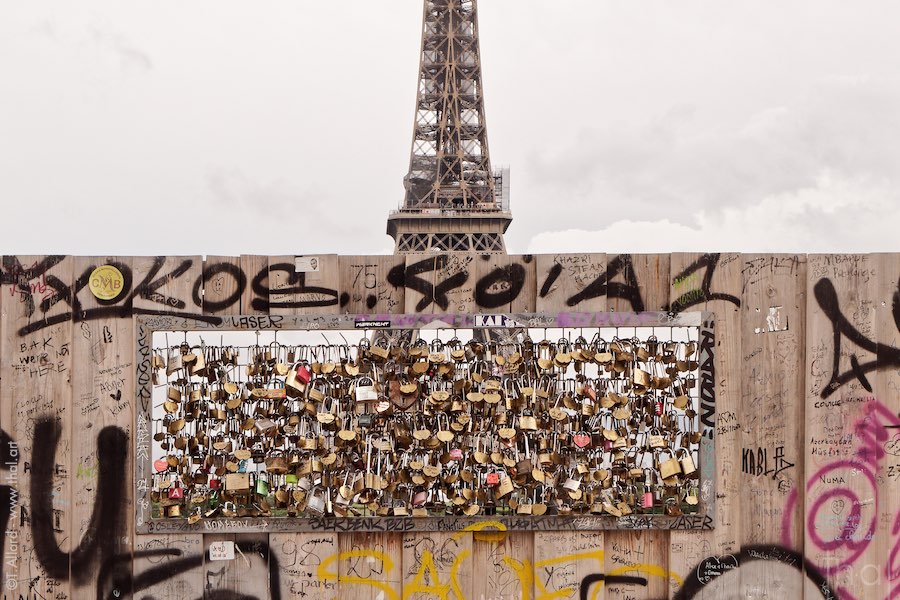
853	215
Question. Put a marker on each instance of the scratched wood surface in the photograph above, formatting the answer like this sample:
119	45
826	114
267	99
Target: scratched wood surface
103	401
885	428
563	560
565	278
369	284
168	294
434	564
641	282
841	489
440	284
778	483
369	565
255	299
307	566
712	282
502	564
36	369
223	284
504	283
772	411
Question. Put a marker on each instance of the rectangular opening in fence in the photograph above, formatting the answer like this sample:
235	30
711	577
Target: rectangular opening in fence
424	422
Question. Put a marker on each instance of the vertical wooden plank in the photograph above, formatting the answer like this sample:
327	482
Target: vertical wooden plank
643	282
248	571
564	561
308	285
366	284
564	282
502	565
842	529
224	283
247	574
307	565
103	382
370	566
179	558
773	325
36	401
504	284
885	424
255	299
712	282
433	563
442	283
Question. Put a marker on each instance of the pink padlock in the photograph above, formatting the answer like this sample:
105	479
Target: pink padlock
647	502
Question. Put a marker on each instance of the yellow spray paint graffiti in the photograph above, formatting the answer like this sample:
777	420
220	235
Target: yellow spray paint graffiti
427	581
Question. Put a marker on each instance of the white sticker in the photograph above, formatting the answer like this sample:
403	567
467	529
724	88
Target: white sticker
307	264
221	551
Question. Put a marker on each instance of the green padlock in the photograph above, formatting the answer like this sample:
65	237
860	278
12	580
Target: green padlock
290	478
262	487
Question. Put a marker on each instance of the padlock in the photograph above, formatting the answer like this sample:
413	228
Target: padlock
687	462
669	467
176	492
364	389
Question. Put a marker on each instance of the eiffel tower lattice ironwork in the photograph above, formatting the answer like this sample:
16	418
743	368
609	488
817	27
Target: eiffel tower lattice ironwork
453	200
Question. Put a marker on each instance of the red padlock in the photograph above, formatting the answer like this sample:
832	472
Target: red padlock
176	492
493	478
303	373
659	408
214	484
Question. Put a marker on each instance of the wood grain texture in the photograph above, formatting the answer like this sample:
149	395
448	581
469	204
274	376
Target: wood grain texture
502	565
841	488
366	286
885	423
504	283
772	410
37	366
307	565
439	284
565	559
255	298
713	282
370	565
564	282
433	564
641	282
164	298
103	383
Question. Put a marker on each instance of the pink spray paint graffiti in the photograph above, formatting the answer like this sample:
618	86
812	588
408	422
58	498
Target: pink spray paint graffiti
842	520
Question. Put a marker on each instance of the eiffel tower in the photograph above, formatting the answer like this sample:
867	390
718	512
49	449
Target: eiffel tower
454	202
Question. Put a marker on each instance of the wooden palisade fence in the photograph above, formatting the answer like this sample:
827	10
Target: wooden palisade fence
806	431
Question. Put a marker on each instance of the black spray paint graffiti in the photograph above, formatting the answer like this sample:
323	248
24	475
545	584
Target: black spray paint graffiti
40	290
115	579
629	290
711	568
708	379
37	282
409	277
691	296
106	522
885	356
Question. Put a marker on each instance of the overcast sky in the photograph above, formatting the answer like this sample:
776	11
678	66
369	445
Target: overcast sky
284	127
